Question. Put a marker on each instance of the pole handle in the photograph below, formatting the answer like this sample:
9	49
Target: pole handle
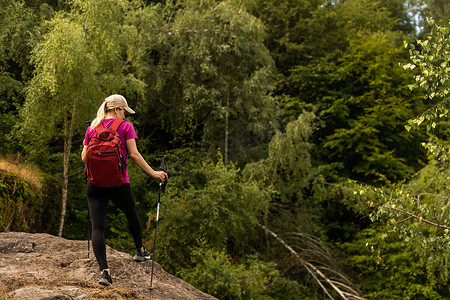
163	162
161	167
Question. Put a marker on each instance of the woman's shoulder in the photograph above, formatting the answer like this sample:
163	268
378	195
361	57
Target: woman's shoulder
128	128
89	130
126	124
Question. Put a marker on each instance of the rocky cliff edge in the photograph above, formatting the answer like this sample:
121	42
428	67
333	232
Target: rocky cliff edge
41	266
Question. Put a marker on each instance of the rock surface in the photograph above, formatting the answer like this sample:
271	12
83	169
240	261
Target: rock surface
41	266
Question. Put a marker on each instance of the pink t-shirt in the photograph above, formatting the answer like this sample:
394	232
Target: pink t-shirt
126	131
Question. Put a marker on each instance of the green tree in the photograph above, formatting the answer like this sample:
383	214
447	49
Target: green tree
217	274
421	10
18	33
397	271
363	100
339	60
294	216
288	168
413	228
424	202
60	91
300	31
209	75
430	57
439	11
210	202
78	62
288	25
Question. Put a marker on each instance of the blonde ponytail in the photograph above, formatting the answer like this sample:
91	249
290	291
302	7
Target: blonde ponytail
100	115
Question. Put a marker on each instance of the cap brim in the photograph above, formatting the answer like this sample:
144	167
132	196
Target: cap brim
129	110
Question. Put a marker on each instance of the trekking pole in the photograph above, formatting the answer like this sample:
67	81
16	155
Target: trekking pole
88	238
162	188
89	221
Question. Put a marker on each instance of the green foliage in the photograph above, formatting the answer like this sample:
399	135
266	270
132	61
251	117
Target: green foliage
339	60
287	169
431	58
10	91
290	32
437	10
286	289
300	32
77	63
415	214
61	85
207	201
341	213
18	31
109	35
51	193
419	211
298	203
25	207
364	121
201	75
216	273
209	75
393	270
17	35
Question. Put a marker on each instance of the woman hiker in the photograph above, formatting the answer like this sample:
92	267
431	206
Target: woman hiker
116	107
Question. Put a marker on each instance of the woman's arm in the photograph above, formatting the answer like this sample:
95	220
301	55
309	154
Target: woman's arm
83	154
140	161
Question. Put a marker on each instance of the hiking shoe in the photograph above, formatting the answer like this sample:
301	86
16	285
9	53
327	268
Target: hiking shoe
141	256
105	279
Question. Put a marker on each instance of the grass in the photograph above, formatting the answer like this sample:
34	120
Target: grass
25	171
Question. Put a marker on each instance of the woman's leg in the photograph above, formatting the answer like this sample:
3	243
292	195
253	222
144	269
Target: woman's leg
98	206
124	200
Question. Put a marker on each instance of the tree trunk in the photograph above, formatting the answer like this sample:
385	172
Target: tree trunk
342	285
68	134
227	115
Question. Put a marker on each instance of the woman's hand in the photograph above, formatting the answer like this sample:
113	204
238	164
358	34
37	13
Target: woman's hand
160	175
140	161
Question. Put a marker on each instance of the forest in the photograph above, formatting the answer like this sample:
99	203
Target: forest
307	141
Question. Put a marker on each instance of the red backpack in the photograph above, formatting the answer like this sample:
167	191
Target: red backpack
105	166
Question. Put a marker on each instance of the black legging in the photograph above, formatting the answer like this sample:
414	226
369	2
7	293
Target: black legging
98	198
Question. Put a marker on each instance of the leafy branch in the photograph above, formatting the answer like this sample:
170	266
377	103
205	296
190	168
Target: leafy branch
431	57
419	218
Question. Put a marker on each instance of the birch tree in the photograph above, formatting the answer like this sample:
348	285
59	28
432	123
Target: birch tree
419	211
78	63
59	94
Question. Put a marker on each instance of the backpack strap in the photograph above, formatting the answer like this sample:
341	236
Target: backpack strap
115	124
99	127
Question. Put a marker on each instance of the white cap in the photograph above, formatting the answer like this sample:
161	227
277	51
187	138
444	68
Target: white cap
118	101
